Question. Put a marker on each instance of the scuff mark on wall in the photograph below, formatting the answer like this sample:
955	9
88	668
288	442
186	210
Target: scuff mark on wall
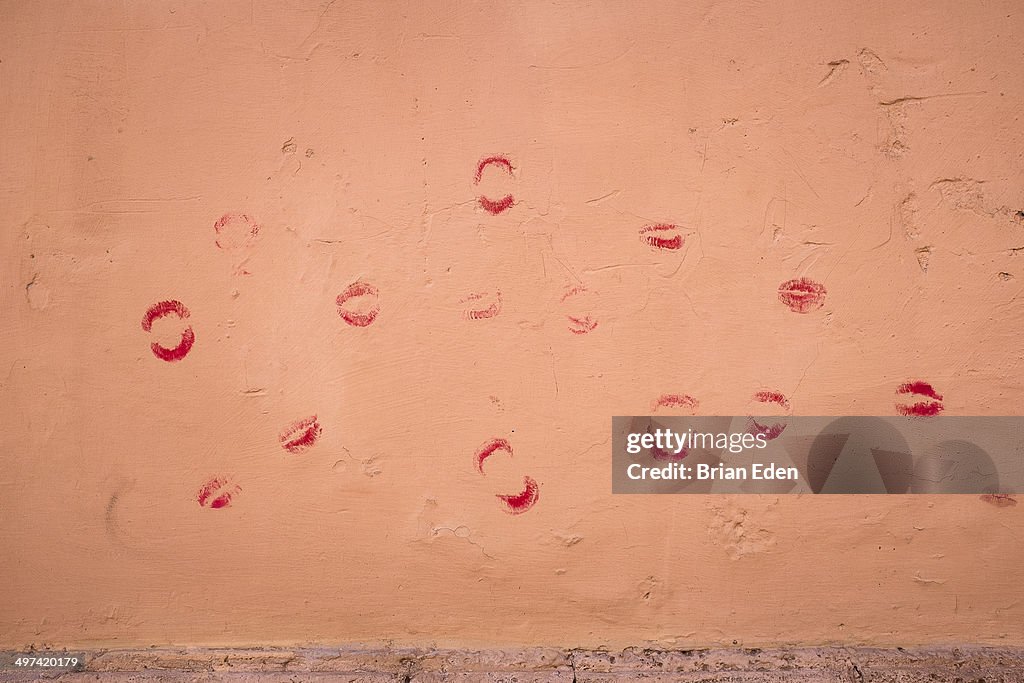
732	529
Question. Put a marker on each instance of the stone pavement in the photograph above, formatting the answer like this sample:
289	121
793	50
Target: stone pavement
535	665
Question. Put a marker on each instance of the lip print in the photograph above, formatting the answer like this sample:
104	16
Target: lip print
676	402
498	160
514	503
925	408
354	308
518	503
1000	500
217	493
188	337
662	236
650	426
802	295
488	449
235	230
301	435
573	290
479	311
494	206
579	324
668	456
769	431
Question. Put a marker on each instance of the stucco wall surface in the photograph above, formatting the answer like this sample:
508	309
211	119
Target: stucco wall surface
274	274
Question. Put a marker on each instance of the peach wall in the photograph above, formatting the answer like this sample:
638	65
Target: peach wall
872	147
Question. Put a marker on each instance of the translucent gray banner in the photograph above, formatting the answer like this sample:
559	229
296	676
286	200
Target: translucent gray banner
743	454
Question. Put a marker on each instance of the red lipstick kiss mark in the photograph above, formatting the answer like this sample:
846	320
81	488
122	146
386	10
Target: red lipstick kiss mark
677	402
518	503
772	397
188	337
360	316
802	295
497	160
659	453
919	387
235	230
217	493
482	313
771	431
488	449
494	206
579	324
574	290
1000	500
660	236
301	435
582	325
921	408
768	431
668	456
